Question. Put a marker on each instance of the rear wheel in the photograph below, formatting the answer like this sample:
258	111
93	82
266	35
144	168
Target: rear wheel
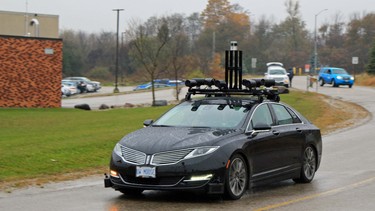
308	166
236	181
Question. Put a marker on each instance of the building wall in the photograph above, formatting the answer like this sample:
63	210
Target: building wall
19	24
30	72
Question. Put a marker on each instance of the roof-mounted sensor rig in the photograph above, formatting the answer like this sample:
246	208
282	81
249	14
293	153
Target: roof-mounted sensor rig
233	83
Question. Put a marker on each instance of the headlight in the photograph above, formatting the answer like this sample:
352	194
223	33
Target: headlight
351	78
201	151
339	77
117	150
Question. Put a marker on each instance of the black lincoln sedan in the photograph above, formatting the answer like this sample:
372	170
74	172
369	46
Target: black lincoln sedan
220	143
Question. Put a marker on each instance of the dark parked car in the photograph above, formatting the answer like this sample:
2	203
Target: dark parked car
335	76
222	143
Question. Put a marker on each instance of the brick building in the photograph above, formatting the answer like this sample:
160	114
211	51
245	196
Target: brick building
30	60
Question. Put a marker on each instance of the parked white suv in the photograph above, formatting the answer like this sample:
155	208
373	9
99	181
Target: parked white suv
276	70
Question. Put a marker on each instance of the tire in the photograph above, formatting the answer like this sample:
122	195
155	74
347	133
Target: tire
321	82
130	191
237	178
350	86
308	166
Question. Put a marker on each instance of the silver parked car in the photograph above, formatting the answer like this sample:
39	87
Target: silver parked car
91	86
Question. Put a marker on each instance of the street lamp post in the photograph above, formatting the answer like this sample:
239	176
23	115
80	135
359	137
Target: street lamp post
116	90
315	41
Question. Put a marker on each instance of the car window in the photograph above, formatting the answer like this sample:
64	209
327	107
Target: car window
296	119
283	117
339	71
277	72
203	115
262	115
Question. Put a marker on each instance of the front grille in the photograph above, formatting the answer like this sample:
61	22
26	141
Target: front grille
346	78
171	157
133	156
279	79
162	158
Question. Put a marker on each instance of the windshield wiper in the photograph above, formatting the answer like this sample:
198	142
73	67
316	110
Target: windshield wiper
161	126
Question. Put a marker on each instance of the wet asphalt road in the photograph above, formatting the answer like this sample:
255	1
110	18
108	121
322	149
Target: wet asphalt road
345	180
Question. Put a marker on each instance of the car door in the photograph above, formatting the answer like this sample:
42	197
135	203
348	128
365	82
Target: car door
327	76
264	146
276	151
289	129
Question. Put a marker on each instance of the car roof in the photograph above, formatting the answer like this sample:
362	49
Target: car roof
275	64
332	68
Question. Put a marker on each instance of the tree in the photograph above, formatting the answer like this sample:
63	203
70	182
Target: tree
178	47
216	12
291	36
147	45
371	65
360	32
259	43
222	23
73	58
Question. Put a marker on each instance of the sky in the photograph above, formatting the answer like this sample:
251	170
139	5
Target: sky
94	16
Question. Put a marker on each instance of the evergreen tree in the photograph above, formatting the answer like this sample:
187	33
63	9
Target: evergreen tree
371	64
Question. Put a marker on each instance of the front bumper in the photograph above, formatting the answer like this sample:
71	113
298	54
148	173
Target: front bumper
344	82
186	175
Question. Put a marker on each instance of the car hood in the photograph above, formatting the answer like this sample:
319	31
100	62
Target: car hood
151	140
277	75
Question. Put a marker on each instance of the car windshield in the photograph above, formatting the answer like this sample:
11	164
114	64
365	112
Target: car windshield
339	71
277	72
197	114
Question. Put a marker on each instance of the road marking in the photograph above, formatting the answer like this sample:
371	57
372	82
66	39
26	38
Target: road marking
333	191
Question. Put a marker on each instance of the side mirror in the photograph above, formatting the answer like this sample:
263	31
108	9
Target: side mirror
259	128
147	122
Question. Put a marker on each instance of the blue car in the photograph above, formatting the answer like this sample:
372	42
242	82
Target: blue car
335	76
148	86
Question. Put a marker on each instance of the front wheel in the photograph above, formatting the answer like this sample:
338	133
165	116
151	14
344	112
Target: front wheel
236	180
308	166
321	82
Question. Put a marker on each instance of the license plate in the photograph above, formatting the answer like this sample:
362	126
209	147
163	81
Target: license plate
146	172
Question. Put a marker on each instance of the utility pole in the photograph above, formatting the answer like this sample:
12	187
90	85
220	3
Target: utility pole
116	90
316	42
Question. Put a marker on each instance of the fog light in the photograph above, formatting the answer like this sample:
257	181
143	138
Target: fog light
201	177
114	173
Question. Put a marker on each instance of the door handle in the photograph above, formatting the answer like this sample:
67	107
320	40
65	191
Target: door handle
298	130
276	133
